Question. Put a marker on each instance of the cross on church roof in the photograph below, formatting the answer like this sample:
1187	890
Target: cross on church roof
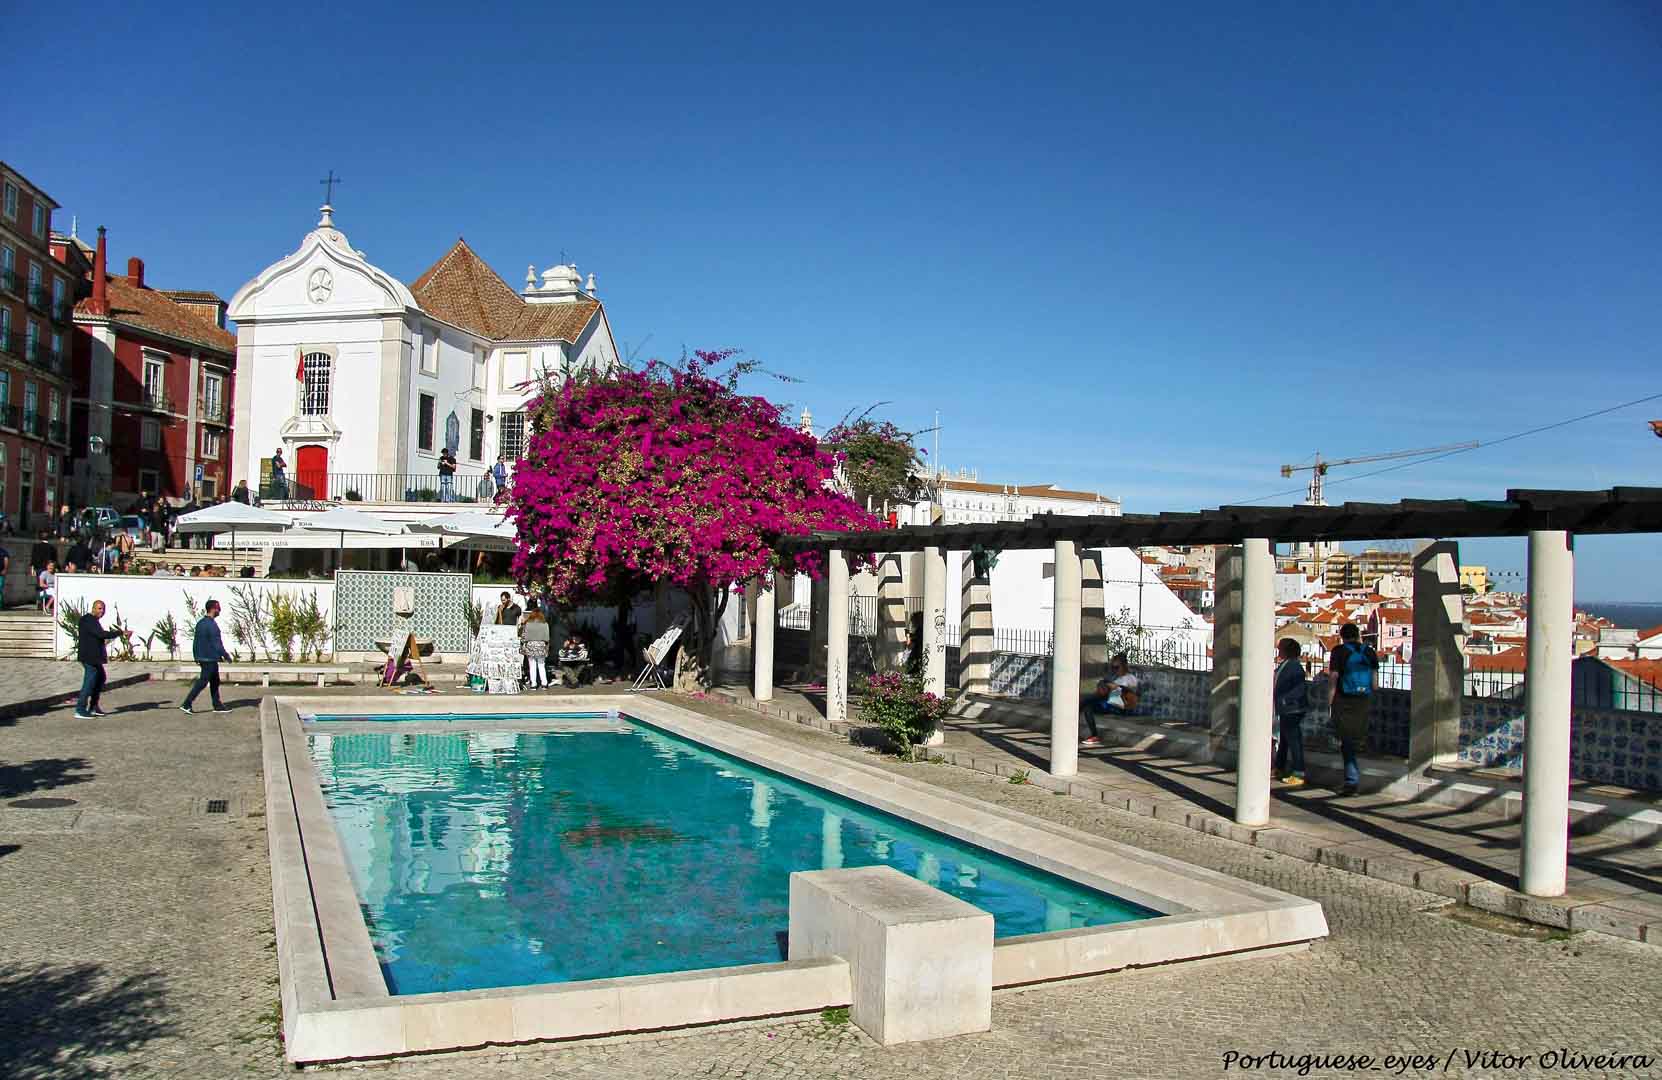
329	186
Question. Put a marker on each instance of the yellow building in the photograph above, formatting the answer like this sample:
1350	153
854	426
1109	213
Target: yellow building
1475	578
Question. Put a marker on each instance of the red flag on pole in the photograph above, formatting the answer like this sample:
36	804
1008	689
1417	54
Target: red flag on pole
300	366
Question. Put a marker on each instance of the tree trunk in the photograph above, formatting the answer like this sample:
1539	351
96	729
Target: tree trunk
693	666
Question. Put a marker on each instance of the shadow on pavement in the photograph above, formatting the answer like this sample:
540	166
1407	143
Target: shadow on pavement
59	1020
43	774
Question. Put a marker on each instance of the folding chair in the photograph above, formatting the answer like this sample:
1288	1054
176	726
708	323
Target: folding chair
657	654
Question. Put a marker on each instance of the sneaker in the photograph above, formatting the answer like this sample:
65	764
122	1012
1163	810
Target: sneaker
1348	789
1091	741
1293	781
84	716
100	712
221	709
186	709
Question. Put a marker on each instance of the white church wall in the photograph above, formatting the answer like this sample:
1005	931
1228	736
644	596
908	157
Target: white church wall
450	383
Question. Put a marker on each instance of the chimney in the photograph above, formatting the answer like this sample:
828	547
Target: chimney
100	279
135	270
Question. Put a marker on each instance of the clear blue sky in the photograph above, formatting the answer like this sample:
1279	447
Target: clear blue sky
1151	253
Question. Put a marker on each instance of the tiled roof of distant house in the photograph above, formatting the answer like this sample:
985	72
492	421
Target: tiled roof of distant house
1646	671
153	310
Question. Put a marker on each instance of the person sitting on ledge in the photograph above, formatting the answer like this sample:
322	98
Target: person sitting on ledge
1114	696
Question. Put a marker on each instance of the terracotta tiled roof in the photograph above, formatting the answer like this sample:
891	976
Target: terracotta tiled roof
1036	491
1509	660
1648	671
461	288
150	309
192	294
1646	635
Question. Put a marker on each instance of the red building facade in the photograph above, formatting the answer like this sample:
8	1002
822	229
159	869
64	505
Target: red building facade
154	374
37	296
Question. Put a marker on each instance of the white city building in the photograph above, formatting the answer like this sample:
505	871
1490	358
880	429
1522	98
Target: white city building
361	379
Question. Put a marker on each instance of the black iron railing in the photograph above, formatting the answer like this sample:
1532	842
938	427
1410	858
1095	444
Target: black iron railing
470	487
58	431
39	298
63	310
8	280
211	411
10	416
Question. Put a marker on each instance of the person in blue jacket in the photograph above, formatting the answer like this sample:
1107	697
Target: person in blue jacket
208	649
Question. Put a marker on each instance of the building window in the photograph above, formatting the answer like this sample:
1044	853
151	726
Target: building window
155	378
213	397
40	219
57	295
55	412
31	404
6	392
4	471
34	281
478	369
476	435
150	438
149	480
31	339
430	351
57	349
210	487
314	391
424	422
511	436
51	464
8	263
5	329
210	444
11	200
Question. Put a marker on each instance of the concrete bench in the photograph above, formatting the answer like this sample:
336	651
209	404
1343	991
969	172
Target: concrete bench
321	672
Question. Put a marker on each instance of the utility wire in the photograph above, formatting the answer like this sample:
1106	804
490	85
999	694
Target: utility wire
1464	450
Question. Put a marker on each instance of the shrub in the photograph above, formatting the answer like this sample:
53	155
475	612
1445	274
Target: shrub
166	634
904	711
353	496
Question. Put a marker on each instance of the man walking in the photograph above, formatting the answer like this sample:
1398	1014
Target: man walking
90	638
208	649
1350	680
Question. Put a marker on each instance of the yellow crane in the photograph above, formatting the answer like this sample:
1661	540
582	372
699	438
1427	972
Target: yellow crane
1318	468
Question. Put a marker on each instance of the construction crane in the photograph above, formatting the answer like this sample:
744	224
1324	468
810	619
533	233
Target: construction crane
1318	469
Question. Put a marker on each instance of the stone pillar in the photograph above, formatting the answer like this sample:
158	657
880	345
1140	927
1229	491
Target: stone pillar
975	631
1546	763
819	603
761	637
836	630
1064	664
1226	649
891	613
1438	665
934	620
1252	760
1093	620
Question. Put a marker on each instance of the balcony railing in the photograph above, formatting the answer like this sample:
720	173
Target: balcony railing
34	424
9	416
8	281
58	431
39	298
211	411
63	310
156	397
472	487
10	343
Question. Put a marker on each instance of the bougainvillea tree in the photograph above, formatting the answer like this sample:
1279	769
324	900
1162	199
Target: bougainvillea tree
667	474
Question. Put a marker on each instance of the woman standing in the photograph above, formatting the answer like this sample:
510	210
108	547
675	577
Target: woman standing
533	634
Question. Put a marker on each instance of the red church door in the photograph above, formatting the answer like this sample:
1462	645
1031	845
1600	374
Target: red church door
311	472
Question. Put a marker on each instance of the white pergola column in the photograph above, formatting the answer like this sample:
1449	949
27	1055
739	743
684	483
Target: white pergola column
1546	758
836	636
1252	760
761	640
1064	664
934	621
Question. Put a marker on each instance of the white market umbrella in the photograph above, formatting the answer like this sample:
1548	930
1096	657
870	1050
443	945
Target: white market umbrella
474	529
231	517
345	520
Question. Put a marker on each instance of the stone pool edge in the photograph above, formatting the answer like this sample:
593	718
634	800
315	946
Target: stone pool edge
335	1003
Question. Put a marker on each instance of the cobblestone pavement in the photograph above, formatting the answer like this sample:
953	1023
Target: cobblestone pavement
135	941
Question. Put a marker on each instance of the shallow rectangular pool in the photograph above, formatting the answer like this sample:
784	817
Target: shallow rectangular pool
600	846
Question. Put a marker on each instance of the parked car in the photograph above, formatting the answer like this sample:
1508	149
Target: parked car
135	526
99	519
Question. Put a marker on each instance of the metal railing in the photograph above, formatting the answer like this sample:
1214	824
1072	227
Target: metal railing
34	424
8	281
211	411
424	487
9	342
10	416
63	310
58	431
156	397
39	298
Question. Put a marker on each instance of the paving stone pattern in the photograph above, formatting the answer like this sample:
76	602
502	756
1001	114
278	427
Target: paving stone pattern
135	941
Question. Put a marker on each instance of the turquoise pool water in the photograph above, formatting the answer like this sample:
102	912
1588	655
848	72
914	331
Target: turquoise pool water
497	858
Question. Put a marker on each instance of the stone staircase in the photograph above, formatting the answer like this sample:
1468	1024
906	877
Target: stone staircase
26	633
259	558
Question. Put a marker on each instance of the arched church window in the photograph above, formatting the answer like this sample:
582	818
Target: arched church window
314	392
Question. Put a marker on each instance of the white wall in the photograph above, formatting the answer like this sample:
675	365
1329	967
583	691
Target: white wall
141	602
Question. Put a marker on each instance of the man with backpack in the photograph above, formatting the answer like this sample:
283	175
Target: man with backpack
1350	682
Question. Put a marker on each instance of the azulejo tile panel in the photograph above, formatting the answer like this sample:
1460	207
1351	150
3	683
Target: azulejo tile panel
363	608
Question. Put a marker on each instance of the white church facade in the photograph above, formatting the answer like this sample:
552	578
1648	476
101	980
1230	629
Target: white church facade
362	380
